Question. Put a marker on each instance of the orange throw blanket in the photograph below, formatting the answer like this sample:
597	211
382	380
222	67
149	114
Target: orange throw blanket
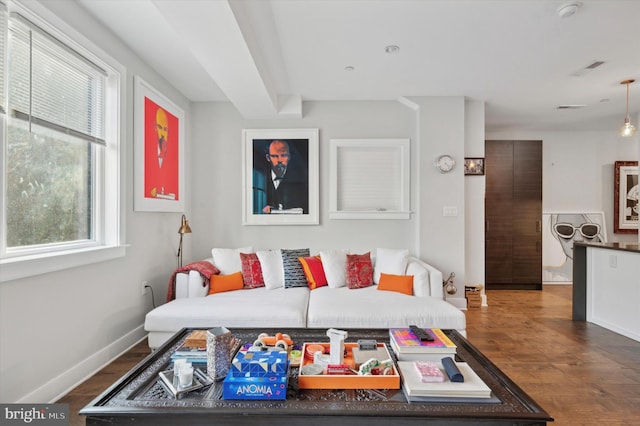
206	269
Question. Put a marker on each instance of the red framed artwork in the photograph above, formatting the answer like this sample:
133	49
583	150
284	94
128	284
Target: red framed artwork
159	151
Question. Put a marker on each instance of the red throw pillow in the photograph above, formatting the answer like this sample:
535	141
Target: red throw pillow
251	270
399	283
359	270
221	283
314	271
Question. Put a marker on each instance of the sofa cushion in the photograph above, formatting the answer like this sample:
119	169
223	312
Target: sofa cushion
256	307
251	270
359	270
272	270
370	308
222	283
228	260
314	272
390	261
334	263
400	283
421	285
293	272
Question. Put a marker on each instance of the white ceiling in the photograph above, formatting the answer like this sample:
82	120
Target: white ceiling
518	56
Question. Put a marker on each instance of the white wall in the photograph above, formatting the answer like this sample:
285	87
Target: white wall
577	170
474	193
217	179
59	328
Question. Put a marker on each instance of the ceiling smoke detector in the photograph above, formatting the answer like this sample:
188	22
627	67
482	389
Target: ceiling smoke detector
392	49
568	9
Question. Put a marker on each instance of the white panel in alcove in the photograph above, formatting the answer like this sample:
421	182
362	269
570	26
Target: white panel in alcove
369	179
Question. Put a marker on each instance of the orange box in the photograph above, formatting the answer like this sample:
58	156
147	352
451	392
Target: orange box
351	381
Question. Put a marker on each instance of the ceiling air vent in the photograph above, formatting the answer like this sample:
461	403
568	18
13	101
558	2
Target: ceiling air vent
570	106
592	66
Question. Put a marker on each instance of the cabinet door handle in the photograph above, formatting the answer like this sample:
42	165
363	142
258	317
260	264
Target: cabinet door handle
538	226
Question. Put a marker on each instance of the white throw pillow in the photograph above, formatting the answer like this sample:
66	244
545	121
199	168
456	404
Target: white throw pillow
334	263
228	260
272	269
390	261
420	279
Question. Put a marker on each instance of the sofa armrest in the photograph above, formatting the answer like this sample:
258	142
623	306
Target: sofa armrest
434	278
191	284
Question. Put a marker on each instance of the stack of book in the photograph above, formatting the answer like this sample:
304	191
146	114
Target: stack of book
417	389
408	347
193	354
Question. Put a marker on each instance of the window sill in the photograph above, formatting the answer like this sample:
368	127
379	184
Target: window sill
28	266
372	214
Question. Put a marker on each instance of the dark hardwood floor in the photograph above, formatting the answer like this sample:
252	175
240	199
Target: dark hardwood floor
579	372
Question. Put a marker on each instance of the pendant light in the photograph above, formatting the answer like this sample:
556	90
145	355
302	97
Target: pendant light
627	128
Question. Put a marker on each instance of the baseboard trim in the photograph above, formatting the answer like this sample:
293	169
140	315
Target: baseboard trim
68	380
458	302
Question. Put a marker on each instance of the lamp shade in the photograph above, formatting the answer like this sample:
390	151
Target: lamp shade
627	128
184	226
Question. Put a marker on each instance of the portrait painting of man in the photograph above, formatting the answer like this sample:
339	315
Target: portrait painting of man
280	176
161	152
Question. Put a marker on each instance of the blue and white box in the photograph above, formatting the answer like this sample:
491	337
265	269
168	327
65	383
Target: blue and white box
255	388
260	364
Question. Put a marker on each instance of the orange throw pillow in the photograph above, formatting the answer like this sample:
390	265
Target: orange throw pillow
220	283
399	283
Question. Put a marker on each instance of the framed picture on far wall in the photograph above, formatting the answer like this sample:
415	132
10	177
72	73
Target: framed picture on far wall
625	208
280	177
158	151
474	166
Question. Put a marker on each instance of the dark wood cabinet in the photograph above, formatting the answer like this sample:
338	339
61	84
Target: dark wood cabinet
513	214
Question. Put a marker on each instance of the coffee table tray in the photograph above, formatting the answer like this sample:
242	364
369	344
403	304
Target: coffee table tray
352	381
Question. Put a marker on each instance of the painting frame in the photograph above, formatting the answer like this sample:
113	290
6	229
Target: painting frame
159	183
625	215
474	166
301	175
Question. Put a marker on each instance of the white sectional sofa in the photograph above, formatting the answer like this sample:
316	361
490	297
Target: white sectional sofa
301	307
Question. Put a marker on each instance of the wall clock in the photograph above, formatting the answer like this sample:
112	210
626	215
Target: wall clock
445	163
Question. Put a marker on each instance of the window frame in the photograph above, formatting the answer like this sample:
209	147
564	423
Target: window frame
108	214
400	147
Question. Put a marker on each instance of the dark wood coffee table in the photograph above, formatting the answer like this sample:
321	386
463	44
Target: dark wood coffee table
138	397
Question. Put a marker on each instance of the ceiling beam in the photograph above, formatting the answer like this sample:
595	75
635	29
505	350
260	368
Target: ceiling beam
215	35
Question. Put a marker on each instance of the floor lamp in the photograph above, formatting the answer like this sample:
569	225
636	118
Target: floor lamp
184	229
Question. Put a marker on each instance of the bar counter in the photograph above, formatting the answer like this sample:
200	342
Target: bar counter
606	286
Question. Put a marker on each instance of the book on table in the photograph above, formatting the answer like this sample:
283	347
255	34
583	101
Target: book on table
191	354
413	386
408	347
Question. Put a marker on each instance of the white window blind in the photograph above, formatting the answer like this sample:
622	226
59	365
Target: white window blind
370	178
61	194
70	89
3	50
